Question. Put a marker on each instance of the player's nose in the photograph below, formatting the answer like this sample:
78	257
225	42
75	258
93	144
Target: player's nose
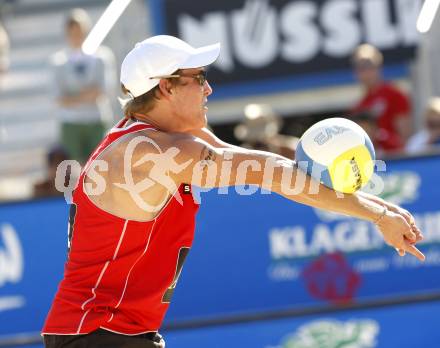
207	89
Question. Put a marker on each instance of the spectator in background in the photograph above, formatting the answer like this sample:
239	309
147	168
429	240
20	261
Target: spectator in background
82	84
260	131
428	138
368	122
389	106
46	188
4	50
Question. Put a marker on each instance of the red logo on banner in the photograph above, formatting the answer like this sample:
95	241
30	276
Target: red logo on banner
331	278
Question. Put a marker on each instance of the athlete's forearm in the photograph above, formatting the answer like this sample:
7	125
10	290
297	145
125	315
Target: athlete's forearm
383	203
373	198
281	175
354	205
290	182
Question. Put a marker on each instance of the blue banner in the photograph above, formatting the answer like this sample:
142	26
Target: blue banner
33	244
406	326
289	45
258	252
252	254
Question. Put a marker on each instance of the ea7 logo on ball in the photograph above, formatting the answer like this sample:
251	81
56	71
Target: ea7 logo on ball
328	133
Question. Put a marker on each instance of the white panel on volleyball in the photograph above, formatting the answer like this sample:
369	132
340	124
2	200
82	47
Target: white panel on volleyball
328	139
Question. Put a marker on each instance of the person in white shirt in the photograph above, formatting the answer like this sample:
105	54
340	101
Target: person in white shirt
82	84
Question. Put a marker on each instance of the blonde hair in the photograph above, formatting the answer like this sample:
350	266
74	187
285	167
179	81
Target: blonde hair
137	105
369	53
144	103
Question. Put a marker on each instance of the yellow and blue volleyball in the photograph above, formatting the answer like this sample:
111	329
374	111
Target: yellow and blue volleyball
338	153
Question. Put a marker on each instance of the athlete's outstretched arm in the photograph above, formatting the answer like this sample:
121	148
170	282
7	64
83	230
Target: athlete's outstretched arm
208	136
280	175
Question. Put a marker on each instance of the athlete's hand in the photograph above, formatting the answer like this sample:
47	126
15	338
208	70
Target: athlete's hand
400	234
409	219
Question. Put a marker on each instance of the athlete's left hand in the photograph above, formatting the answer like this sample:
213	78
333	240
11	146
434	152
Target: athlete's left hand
409	219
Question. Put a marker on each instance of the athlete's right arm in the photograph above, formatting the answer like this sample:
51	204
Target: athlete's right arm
204	165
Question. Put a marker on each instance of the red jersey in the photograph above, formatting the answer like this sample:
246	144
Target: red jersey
120	274
386	104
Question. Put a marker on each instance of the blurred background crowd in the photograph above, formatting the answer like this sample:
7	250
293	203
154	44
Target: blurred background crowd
57	101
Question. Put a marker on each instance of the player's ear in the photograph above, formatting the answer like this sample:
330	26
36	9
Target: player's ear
166	88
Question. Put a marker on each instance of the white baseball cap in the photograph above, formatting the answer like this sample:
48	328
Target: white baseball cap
162	55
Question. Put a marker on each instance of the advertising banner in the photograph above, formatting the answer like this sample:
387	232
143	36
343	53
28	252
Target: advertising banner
33	244
290	44
405	326
260	252
253	253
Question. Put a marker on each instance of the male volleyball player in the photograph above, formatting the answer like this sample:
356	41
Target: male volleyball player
128	242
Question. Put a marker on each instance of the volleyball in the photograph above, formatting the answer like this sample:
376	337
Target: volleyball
338	153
